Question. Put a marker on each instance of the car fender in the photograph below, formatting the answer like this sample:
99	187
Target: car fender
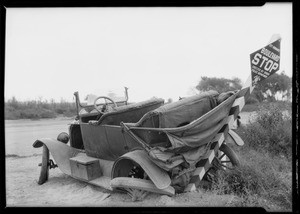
60	152
123	164
234	137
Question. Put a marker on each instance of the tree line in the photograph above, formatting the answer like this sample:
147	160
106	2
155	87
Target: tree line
266	90
36	109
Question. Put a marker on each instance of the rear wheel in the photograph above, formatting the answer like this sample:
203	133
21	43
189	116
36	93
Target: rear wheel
226	160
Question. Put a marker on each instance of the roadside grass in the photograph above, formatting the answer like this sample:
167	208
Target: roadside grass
261	180
271	131
264	177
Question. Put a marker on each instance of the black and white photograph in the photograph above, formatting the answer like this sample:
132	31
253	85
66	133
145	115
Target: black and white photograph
149	106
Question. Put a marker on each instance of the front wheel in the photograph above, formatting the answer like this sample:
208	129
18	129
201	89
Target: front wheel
44	173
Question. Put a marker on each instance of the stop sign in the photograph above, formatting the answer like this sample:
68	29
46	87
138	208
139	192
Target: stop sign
265	62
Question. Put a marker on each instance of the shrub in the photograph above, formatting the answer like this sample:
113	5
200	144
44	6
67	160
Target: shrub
47	114
60	110
12	115
33	109
69	113
29	114
260	177
270	131
265	174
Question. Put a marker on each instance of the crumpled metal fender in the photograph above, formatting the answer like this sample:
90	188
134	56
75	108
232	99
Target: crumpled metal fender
233	137
60	152
124	164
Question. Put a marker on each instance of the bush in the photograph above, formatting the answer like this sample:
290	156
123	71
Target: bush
12	115
264	177
47	114
60	111
69	113
260	177
29	114
33	109
271	131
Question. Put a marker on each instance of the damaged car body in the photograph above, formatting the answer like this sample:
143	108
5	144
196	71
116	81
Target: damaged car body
149	146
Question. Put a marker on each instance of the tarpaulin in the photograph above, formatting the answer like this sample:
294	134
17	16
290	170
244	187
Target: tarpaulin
204	115
199	131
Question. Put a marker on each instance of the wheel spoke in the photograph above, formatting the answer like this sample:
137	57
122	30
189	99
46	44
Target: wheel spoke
229	162
223	165
226	161
222	156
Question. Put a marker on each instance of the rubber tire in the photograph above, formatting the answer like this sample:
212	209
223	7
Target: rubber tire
44	174
230	154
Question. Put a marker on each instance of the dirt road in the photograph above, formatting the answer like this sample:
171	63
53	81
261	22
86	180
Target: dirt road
61	190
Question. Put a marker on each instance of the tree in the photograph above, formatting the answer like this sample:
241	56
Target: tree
277	83
13	102
219	84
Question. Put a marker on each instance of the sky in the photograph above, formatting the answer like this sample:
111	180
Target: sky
154	51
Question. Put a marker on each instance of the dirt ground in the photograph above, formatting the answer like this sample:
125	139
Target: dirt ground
22	190
62	190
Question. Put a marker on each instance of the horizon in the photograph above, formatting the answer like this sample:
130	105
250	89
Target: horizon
162	52
109	94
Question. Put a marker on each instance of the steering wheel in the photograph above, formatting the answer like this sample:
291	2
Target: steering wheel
104	106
